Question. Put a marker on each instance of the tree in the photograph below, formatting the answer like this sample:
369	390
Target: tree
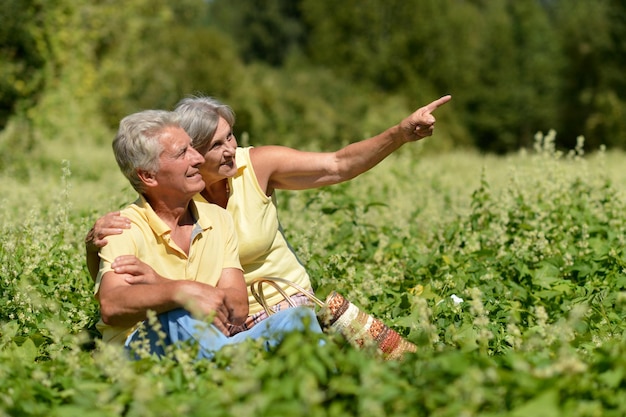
264	30
516	89
592	102
499	59
20	59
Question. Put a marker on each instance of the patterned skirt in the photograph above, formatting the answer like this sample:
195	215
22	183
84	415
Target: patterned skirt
298	299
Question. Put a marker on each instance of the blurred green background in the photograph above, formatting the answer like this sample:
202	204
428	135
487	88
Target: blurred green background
312	73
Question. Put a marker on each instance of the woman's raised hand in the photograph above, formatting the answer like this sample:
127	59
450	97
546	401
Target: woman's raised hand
107	225
421	123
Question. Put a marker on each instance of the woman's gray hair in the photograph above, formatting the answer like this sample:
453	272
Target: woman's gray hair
137	145
199	116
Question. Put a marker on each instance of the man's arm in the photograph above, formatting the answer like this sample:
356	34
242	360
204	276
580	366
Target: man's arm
122	304
235	290
228	301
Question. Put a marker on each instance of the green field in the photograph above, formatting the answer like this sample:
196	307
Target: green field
533	243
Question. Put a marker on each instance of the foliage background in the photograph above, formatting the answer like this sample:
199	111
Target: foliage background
532	239
337	71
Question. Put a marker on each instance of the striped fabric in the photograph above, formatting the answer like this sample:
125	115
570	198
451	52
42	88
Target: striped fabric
361	328
298	299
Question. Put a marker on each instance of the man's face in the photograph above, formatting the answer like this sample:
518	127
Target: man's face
179	164
219	154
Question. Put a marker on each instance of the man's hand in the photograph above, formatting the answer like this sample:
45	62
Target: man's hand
203	301
421	123
135	271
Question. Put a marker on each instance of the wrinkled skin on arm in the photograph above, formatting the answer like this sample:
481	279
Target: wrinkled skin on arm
133	288
279	167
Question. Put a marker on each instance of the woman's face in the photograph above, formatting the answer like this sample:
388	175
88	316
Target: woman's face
219	154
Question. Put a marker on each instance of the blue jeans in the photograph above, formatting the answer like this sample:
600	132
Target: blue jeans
180	326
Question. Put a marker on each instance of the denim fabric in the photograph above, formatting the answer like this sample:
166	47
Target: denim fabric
297	299
180	326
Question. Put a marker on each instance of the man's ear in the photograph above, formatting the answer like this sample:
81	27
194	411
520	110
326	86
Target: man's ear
147	177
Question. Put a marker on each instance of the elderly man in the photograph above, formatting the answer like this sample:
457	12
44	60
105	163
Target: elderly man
185	250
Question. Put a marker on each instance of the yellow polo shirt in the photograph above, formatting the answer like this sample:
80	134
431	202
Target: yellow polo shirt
213	247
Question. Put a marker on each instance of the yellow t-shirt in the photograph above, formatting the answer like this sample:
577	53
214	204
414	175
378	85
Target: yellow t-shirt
213	248
263	249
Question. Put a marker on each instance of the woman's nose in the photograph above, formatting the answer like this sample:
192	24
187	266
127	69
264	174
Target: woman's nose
230	149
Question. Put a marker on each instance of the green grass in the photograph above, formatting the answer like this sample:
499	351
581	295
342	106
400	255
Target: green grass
533	243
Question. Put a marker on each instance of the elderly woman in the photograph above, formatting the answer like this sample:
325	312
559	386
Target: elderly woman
243	181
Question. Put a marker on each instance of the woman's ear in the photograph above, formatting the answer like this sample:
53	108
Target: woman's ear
147	177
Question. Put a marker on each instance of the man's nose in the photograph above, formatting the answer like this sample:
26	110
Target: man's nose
197	157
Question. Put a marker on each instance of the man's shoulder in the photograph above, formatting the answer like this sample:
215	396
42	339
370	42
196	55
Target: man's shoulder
144	221
135	211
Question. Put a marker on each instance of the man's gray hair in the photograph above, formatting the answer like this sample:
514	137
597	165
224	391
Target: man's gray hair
137	144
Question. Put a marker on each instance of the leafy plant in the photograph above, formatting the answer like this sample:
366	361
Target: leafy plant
508	273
